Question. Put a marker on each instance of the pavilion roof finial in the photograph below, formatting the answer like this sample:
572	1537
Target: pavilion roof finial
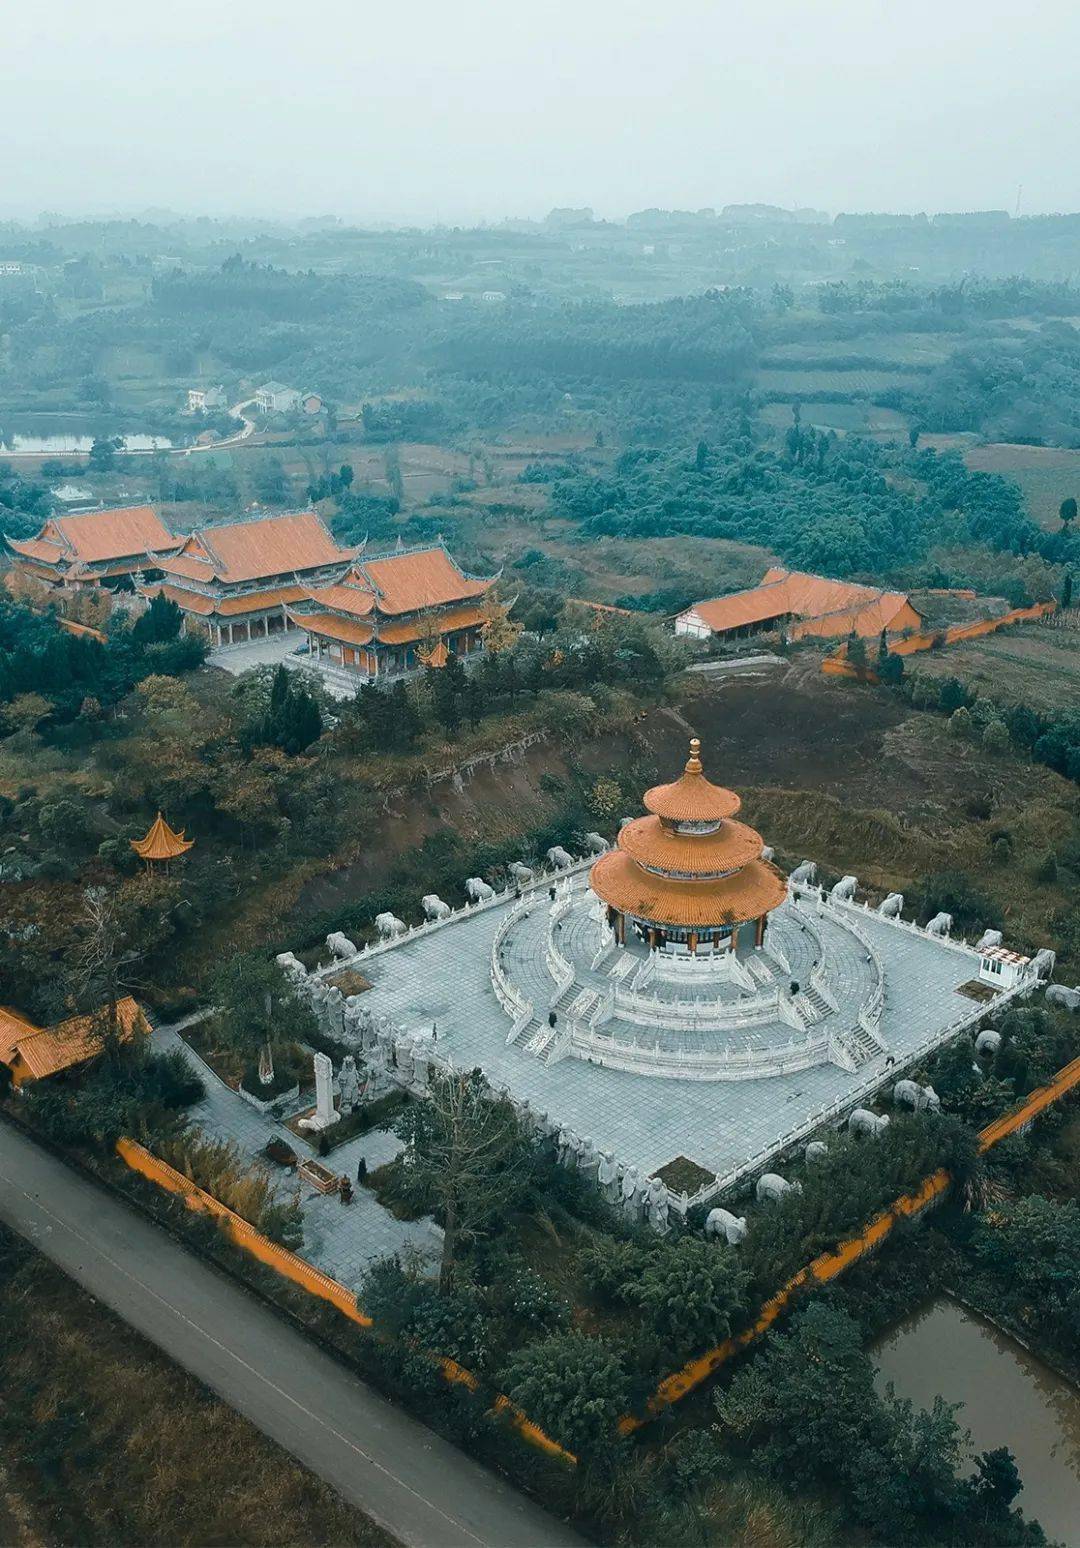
693	763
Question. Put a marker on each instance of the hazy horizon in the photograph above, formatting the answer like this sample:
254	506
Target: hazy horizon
424	116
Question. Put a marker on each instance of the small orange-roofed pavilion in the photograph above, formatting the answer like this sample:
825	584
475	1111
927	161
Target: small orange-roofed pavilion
689	875
161	843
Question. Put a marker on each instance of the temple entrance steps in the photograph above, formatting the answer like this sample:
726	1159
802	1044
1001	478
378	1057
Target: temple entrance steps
864	1045
816	1003
759	971
584	1004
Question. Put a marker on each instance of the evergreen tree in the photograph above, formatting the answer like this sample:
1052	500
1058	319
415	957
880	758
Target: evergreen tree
160	622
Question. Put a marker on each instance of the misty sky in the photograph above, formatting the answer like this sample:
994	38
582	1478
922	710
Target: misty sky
411	110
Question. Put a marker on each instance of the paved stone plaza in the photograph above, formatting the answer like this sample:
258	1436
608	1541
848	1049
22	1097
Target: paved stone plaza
341	1239
441	981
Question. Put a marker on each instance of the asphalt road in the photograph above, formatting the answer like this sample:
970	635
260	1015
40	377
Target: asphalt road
416	1485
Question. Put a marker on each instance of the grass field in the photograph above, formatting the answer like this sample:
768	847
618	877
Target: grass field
919	349
860	418
854	384
1033	664
1046	474
105	1441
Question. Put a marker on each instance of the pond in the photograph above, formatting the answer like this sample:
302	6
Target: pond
45	435
1010	1398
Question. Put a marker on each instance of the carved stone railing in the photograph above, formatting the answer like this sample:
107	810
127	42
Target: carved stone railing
729	1064
698	1015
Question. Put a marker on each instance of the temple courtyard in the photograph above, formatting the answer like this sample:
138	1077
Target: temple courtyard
720	1092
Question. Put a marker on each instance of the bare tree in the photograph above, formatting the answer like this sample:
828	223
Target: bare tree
466	1158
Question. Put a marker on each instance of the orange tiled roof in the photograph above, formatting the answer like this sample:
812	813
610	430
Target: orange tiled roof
254	601
94	537
13	1026
691	797
406	583
438	656
248	550
349	595
795	592
190	601
161	842
416	628
650	843
37	548
349	630
754	890
49	1050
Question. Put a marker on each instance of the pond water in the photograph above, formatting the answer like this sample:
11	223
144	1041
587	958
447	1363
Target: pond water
60	443
1010	1398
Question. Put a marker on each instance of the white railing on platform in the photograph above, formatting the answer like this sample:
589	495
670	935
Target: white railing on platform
678	1064
527	893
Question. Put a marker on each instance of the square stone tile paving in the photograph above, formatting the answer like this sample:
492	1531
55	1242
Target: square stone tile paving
341	1239
442	981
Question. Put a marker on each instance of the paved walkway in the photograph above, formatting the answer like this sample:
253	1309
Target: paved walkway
340	1239
408	1479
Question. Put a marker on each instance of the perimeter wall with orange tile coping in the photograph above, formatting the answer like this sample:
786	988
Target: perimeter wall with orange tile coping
837	664
825	1267
829	1265
309	1278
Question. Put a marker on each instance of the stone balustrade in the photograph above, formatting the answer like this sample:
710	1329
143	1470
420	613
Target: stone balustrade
726	1064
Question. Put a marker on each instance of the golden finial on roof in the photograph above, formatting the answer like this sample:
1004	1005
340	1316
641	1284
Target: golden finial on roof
693	763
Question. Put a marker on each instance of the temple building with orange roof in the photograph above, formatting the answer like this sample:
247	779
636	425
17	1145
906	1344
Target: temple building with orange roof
29	1052
238	580
161	843
96	548
395	613
802	606
688	877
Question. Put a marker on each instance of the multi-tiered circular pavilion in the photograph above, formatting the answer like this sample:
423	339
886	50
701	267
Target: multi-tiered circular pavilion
689	877
681	955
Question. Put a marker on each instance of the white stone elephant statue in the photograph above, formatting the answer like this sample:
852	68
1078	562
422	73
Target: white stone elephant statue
596	844
863	1121
892	906
987	939
1044	962
1062	996
389	925
340	944
434	907
771	1187
721	1222
921	1099
521	872
559	857
844	890
478	891
803	874
940	925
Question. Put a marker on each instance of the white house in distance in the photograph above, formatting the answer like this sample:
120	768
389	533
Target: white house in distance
200	400
276	398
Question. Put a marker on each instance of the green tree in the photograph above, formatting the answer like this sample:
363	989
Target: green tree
574	1386
856	650
160	623
1067	512
257	1007
689	1291
995	737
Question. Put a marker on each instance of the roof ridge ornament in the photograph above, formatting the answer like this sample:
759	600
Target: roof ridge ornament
693	763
